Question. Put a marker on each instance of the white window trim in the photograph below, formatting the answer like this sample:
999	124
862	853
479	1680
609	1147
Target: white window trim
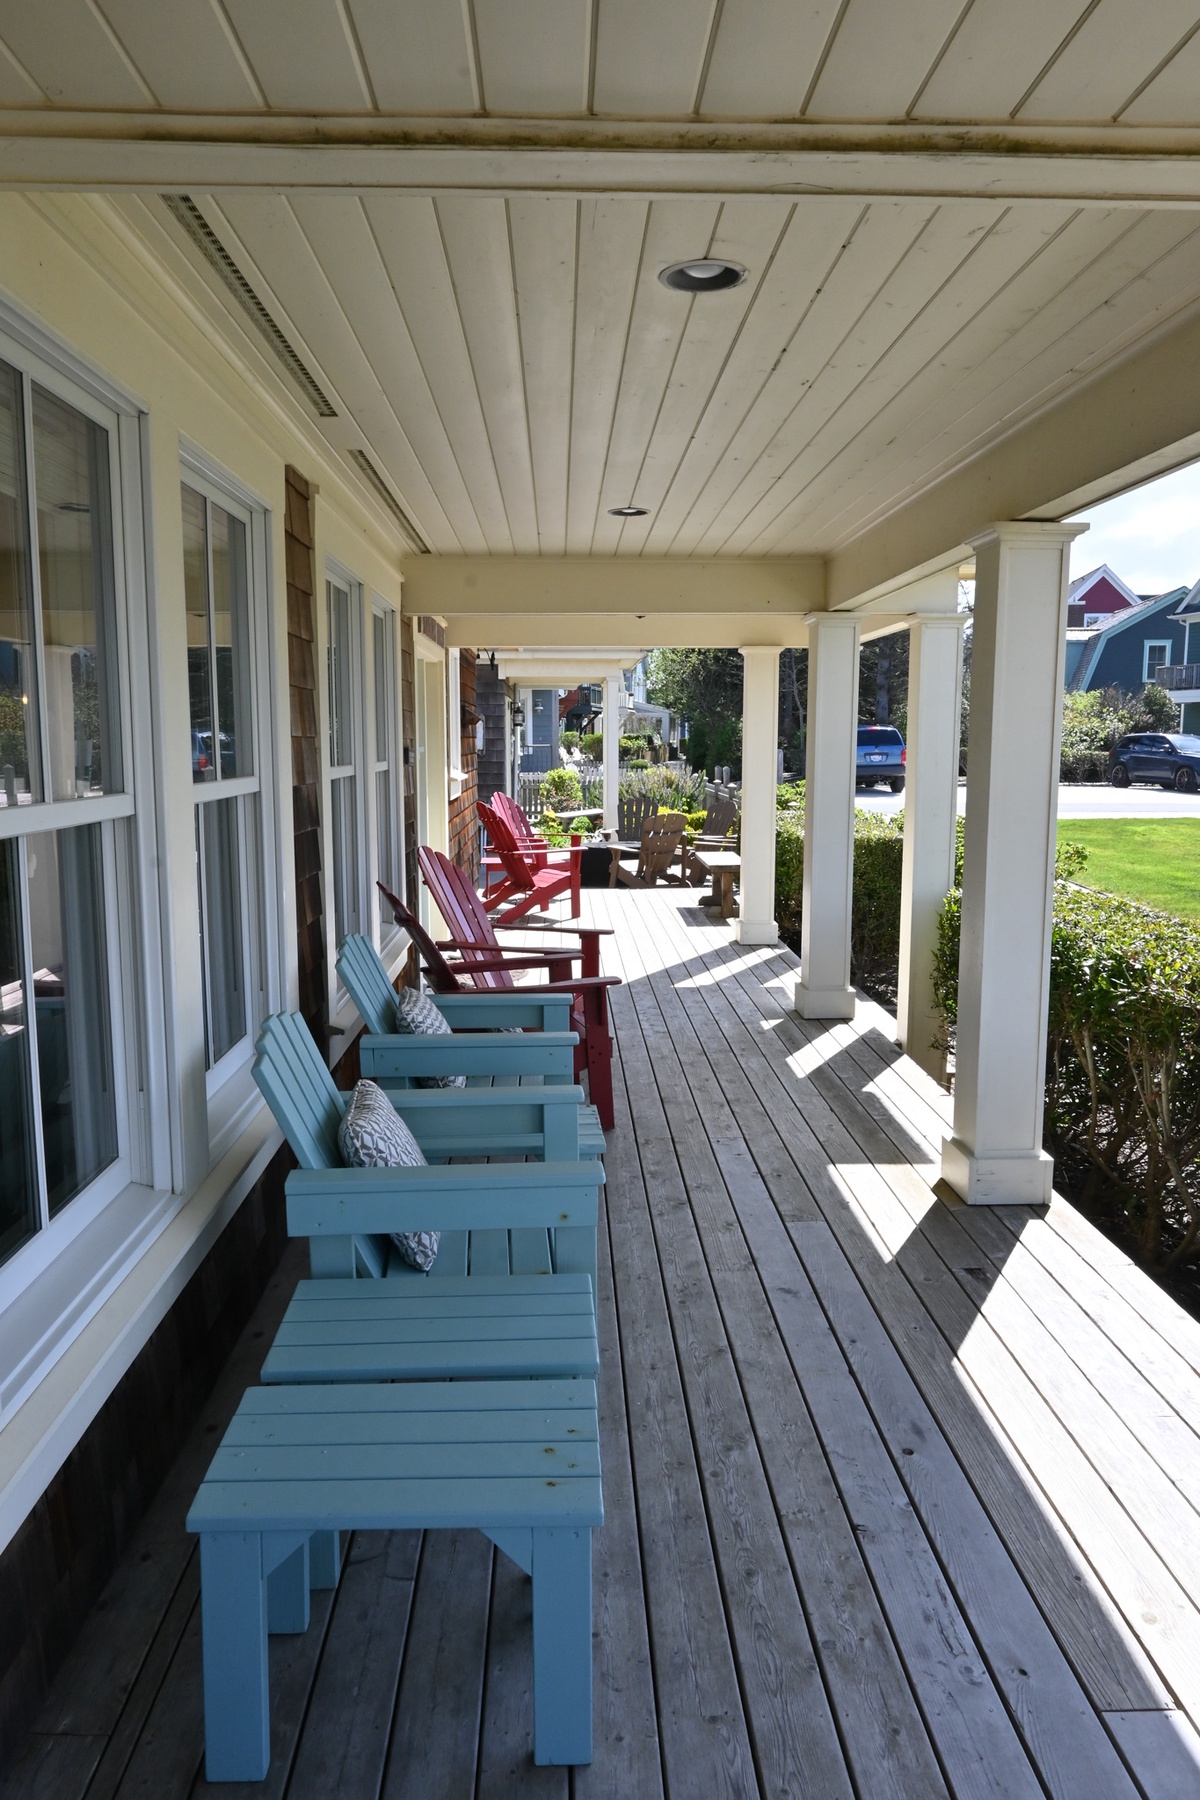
1149	664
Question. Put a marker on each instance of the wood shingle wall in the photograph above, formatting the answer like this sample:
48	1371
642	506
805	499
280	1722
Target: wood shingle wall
306	761
464	822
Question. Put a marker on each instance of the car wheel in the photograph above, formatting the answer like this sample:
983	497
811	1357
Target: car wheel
1119	776
897	784
1185	781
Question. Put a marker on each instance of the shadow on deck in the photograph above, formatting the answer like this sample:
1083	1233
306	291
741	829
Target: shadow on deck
900	1495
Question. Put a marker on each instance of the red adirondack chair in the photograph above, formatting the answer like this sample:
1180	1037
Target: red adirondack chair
486	963
532	842
524	883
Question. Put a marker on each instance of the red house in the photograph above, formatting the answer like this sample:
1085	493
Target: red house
1094	598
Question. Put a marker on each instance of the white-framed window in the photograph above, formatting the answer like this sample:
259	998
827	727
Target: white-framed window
222	540
1094	619
343	689
454	721
1192	652
66	806
386	762
1156	655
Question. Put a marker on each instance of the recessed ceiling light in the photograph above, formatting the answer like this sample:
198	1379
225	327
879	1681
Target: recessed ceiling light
629	512
705	275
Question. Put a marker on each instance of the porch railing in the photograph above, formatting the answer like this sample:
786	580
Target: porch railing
1178	675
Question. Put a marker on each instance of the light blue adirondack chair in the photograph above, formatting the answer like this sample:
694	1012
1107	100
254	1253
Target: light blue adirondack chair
541	1122
491	1056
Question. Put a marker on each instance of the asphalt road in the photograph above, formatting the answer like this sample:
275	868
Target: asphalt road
1074	802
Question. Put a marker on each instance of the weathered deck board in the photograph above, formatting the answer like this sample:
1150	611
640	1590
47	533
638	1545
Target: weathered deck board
889	1484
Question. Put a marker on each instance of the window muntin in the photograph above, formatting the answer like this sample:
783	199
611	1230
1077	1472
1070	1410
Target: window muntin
68	953
216	603
19	760
343	785
219	626
19	1203
76	592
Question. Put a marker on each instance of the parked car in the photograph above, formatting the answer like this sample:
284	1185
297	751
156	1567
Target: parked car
1168	759
881	755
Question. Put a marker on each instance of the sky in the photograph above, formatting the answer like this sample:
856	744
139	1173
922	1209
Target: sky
1150	537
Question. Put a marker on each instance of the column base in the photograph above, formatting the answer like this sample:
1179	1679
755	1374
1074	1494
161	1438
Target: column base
824	1003
1023	1179
755	931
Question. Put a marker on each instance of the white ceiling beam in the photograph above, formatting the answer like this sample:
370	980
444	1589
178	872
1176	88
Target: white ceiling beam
1088	165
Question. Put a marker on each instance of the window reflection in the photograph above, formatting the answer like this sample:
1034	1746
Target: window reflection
18	716
18	1182
222	926
71	1003
74	522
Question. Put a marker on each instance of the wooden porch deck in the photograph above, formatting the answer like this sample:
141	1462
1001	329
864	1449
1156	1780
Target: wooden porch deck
901	1497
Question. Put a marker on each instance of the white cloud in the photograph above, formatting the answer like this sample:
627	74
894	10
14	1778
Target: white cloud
1150	537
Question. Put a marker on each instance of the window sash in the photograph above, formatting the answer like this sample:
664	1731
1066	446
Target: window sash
1151	662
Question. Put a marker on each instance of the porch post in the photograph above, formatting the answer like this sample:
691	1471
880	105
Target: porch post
930	815
823	990
995	1155
611	751
760	745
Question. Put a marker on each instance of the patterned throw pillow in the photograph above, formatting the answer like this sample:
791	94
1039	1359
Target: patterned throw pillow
372	1135
415	1012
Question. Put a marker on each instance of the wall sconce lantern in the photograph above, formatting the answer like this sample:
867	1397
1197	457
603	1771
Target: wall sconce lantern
538	707
518	716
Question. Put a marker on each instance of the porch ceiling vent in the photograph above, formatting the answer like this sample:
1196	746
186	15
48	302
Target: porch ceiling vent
363	462
187	214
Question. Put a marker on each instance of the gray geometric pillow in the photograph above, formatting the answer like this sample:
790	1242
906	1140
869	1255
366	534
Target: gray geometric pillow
372	1135
416	1013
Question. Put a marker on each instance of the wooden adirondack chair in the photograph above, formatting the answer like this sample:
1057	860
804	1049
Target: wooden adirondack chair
715	834
484	962
348	1214
526	882
661	841
532	843
632	814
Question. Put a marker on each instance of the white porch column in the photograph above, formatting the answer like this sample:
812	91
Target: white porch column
995	1155
823	990
760	743
930	812
611	750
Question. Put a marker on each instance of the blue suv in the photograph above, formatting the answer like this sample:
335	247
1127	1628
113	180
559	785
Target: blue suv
1168	758
881	755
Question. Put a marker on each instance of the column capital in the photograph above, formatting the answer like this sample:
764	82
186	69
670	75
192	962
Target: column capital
1044	531
760	650
845	619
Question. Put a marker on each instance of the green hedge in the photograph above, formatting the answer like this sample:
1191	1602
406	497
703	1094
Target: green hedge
1122	1115
875	920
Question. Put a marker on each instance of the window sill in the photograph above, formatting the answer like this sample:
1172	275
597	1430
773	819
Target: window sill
104	1296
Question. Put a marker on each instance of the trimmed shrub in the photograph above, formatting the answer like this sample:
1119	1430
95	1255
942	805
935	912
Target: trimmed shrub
561	788
1122	1110
789	794
568	740
875	919
592	745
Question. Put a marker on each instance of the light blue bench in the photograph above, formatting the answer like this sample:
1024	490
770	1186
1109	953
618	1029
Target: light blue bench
518	1460
497	1122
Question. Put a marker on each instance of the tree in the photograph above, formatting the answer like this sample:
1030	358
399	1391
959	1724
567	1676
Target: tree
705	688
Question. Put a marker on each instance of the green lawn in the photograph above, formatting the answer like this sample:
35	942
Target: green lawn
1156	861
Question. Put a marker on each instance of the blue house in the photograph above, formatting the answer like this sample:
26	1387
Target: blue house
1182	677
1127	650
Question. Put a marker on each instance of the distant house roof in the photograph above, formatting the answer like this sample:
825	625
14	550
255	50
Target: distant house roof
1103	577
1190	602
1091	640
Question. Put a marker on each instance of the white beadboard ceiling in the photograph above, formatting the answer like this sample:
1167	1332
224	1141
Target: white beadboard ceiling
1033	61
515	367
